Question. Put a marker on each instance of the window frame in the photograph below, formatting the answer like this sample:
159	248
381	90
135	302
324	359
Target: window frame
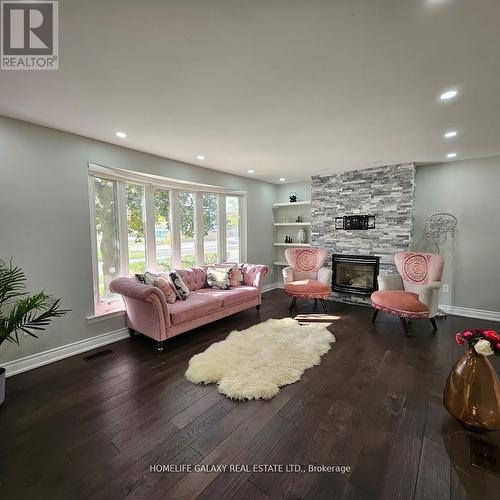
151	183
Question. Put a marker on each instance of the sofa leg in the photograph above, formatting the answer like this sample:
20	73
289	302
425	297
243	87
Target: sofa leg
258	308
406	326
434	324
292	305
159	345
131	332
374	316
324	305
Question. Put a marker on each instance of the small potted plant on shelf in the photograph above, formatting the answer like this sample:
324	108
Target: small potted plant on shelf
472	391
21	311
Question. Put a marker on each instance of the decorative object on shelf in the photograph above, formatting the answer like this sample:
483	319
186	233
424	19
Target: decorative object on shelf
27	313
299	218
472	390
293	197
301	236
439	226
288	239
339	222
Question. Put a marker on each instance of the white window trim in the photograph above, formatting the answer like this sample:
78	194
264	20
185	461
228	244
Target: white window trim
150	183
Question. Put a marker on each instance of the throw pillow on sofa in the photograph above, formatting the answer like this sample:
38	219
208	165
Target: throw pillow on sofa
218	278
233	277
146	278
164	285
180	288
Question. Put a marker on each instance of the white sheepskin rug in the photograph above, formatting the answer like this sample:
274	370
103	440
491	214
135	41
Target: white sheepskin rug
256	362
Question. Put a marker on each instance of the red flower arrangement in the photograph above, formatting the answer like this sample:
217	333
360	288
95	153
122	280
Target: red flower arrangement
485	342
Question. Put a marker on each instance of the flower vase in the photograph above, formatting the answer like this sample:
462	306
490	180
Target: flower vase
472	393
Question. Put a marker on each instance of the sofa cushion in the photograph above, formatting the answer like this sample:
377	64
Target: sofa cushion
232	296
400	303
193	307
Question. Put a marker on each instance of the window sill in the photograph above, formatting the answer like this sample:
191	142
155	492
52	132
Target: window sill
107	311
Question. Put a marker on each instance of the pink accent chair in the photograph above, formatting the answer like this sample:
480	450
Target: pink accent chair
148	312
414	292
305	277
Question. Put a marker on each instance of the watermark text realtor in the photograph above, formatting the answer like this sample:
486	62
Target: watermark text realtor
29	35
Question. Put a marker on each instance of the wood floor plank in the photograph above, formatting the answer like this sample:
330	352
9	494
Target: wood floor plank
84	429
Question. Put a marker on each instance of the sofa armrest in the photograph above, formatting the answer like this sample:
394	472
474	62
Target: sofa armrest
147	309
287	274
429	295
325	275
254	274
390	282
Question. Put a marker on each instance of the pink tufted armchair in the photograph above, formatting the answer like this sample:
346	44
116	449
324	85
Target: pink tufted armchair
414	292
305	277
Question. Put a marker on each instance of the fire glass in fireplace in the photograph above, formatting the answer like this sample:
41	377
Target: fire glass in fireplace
355	274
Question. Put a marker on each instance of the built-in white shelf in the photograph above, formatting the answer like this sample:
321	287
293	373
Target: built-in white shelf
288	204
292	244
278	263
292	223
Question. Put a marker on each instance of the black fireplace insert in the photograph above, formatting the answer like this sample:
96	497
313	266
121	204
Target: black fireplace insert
355	274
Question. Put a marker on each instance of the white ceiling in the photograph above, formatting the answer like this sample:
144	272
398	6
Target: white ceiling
285	87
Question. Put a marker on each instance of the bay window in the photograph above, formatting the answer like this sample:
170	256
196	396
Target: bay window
233	228
142	222
210	228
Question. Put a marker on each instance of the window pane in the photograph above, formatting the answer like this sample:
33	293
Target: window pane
188	253
210	228
233	228
135	225
107	235
163	235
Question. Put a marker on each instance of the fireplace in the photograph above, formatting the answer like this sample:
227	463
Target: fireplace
355	274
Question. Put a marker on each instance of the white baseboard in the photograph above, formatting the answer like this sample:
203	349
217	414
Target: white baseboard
471	313
269	287
44	358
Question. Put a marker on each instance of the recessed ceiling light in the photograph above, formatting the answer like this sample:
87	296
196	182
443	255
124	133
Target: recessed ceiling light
449	94
251	171
200	157
282	179
450	134
451	155
121	135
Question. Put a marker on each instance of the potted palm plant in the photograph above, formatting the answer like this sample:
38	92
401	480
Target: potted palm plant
21	311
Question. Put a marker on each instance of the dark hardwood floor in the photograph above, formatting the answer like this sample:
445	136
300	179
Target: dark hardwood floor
91	428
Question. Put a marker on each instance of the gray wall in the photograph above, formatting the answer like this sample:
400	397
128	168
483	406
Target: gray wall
45	224
468	189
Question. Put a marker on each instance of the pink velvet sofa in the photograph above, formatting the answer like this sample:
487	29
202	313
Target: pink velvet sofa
148	312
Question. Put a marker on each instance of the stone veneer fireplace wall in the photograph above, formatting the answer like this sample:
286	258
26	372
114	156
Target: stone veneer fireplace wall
386	192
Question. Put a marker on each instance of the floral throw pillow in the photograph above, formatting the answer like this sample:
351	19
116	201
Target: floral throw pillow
164	285
233	277
218	278
180	288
